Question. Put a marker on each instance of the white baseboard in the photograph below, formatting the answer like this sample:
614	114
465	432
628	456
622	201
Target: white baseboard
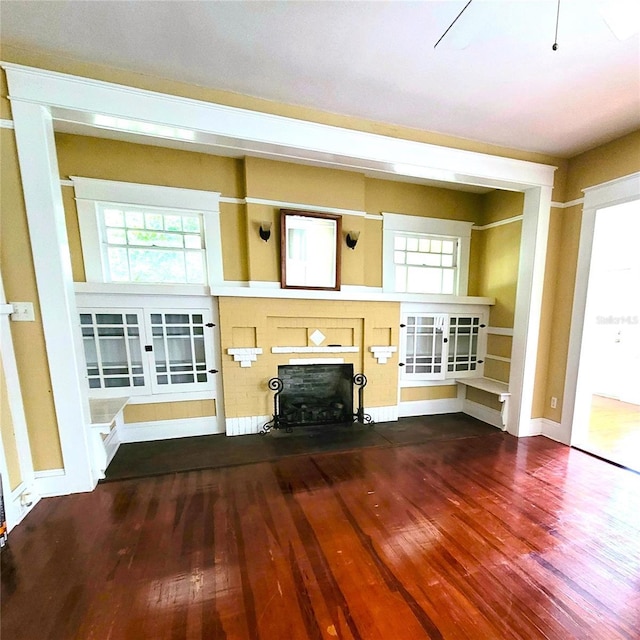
486	414
556	431
429	407
246	425
15	510
167	429
534	428
383	414
52	482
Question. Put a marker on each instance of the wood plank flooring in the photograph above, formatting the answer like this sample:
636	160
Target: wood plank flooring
614	431
482	537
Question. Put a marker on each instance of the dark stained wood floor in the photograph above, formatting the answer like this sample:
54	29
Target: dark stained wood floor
481	537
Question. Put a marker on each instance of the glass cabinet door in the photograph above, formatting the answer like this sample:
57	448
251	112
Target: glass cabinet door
424	346
179	350
112	346
463	343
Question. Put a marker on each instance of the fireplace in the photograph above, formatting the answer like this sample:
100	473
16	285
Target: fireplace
315	394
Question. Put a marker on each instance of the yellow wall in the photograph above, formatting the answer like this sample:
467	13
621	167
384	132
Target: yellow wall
440	392
158	411
613	160
267	323
8	435
607	162
28	337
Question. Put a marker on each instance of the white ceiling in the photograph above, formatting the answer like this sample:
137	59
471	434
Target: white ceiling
494	77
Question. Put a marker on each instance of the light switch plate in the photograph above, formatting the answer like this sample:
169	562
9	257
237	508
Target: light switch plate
23	312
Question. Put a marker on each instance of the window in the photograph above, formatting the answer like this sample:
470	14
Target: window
147	351
134	233
425	255
151	245
424	264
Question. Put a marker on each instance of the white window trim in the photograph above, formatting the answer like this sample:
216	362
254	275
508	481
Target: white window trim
90	191
397	222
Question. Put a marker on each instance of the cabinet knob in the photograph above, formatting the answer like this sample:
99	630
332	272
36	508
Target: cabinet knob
401	364
213	371
402	326
445	339
209	324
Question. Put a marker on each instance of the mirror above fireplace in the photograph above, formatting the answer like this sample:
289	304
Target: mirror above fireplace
310	250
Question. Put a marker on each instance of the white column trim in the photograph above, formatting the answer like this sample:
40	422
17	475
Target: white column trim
575	403
526	326
45	215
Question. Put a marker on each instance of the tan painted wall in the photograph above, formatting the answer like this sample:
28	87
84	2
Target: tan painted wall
28	337
265	323
412	394
90	157
158	411
607	162
497	252
7	431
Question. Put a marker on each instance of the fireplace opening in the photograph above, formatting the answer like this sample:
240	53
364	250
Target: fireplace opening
316	394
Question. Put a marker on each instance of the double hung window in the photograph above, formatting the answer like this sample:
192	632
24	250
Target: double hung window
147	234
425	255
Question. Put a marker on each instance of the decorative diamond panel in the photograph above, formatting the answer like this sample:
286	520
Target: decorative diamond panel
317	337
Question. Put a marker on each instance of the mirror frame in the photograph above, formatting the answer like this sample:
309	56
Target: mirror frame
284	214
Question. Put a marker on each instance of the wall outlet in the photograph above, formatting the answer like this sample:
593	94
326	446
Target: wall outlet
554	402
22	312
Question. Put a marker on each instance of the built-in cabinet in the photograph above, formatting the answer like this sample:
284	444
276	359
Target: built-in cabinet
442	344
148	349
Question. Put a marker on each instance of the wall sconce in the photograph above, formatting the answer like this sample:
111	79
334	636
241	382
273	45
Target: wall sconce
352	239
265	230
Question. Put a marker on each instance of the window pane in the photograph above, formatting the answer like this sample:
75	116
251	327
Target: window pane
400	243
118	264
448	246
153	221
148	265
116	236
191	224
195	267
448	280
134	219
436	246
412	244
192	242
423	245
113	218
173	223
401	279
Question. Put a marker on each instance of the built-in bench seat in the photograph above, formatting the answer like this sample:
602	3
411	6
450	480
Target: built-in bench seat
495	387
106	418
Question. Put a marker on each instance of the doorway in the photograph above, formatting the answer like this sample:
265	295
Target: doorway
611	339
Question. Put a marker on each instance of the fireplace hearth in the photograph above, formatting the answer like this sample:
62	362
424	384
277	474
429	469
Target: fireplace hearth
315	394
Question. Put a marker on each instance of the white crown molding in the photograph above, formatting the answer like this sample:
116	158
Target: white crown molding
499	223
498	358
305	207
79	98
566	205
500	331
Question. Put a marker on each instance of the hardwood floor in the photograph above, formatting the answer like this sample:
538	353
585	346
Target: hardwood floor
614	431
482	537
